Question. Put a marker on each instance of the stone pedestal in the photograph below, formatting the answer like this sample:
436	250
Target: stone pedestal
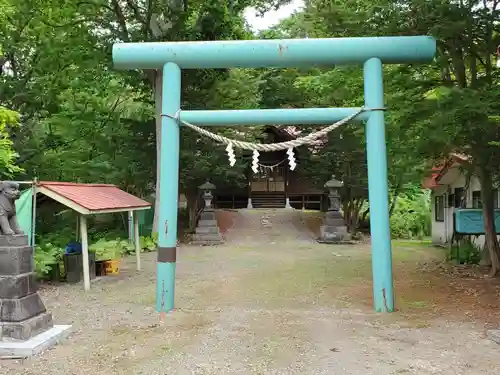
22	312
207	231
334	230
23	316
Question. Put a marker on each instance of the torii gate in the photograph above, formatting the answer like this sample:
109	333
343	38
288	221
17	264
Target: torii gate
372	52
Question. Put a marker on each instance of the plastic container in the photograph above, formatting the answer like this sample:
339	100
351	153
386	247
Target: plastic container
55	272
73	265
112	267
100	269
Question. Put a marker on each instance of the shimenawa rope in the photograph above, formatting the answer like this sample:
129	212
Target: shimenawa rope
266	147
272	146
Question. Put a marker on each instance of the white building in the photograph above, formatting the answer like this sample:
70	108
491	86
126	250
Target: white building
450	190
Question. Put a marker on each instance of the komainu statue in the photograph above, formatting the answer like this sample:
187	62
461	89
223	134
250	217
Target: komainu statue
9	192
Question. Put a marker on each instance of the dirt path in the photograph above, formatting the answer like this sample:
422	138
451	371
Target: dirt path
267	227
285	309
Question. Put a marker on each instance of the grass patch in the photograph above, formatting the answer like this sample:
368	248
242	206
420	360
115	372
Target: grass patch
310	280
338	276
414	304
413	243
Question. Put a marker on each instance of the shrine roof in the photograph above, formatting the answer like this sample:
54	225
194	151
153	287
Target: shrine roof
91	198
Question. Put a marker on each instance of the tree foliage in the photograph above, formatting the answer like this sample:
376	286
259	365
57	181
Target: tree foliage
81	120
8	120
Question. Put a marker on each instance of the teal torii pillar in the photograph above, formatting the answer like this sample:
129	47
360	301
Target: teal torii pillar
372	52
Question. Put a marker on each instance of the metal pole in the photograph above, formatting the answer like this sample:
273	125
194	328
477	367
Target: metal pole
378	191
169	188
33	217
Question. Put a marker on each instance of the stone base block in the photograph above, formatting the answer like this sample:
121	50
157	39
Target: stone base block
15	260
35	345
207	230
14	240
207	237
17	310
327	229
207	215
331	234
332	222
334	219
207	223
26	329
18	286
207	242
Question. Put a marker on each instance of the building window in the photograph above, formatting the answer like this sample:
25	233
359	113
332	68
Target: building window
460	198
495	198
451	200
439	207
476	199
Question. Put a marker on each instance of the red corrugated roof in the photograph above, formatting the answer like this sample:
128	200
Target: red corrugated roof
430	182
95	197
454	160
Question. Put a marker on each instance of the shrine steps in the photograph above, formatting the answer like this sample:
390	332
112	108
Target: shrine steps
268	199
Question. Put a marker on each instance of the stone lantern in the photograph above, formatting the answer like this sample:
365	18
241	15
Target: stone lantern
333	229
207	229
207	188
333	187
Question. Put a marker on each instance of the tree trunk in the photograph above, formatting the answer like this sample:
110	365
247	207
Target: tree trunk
352	209
491	241
365	214
395	198
157	93
192	206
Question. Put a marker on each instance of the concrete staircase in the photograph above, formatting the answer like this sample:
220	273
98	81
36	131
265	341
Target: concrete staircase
268	199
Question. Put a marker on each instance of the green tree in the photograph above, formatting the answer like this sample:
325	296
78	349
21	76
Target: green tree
8	120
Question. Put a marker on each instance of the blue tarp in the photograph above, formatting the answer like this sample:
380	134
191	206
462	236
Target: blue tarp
24	210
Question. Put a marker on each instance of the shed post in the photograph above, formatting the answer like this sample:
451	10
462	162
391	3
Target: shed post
85	252
78	228
33	218
136	241
131	223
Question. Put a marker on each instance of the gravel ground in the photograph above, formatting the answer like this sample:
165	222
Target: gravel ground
286	308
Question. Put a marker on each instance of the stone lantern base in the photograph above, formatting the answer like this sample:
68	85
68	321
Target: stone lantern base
333	229
207	230
26	327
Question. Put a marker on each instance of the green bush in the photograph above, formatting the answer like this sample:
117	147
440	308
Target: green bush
111	249
114	249
411	218
50	254
149	243
467	253
47	255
